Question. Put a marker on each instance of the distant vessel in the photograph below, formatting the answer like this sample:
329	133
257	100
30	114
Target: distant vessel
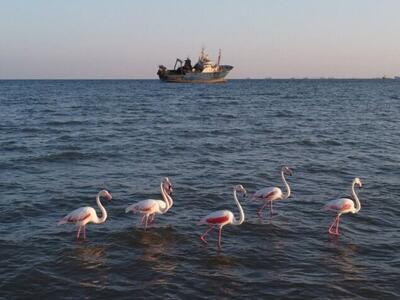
387	77
204	71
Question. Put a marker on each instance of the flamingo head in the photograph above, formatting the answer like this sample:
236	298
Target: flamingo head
287	171
240	189
167	185
357	182
106	194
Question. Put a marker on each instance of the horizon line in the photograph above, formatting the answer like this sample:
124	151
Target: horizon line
244	78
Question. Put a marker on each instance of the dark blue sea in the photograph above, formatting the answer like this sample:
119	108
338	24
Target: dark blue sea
63	141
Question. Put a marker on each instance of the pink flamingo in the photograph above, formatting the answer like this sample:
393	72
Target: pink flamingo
343	206
83	215
270	194
150	207
222	217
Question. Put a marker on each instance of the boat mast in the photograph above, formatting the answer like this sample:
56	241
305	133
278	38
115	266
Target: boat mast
219	57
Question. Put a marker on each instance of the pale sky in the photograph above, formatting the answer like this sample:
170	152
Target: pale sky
268	38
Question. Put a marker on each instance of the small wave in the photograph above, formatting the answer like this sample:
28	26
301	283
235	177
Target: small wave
10	185
31	129
266	94
307	142
332	143
13	146
66	156
63	123
7	166
290	97
225	97
283	113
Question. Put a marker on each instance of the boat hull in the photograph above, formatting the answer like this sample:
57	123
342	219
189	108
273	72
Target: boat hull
195	77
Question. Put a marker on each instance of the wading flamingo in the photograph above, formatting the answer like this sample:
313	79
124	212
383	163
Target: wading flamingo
83	215
222	217
150	207
343	206
270	194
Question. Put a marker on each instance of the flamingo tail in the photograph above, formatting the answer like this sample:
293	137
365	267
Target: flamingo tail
131	208
327	207
201	222
62	221
254	198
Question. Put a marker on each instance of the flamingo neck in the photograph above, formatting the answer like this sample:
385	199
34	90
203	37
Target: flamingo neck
103	211
168	204
171	201
355	197
241	219
287	195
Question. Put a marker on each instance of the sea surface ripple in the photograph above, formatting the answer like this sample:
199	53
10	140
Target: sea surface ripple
63	141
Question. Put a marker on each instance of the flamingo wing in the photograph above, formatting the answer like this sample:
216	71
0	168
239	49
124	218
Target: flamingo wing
143	206
216	217
268	193
78	215
339	205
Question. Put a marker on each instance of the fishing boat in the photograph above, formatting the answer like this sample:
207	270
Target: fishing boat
387	77
204	71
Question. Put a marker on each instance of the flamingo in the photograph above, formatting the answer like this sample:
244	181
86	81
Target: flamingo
343	206
84	215
270	194
150	207
221	218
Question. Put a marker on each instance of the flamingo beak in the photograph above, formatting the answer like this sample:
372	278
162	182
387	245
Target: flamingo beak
168	189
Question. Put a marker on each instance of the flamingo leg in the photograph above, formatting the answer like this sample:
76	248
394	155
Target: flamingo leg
337	225
152	217
271	211
261	208
84	232
78	233
202	237
142	221
146	220
333	229
330	227
219	237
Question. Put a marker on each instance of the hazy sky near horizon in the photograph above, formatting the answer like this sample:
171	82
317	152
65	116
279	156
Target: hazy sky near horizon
260	38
